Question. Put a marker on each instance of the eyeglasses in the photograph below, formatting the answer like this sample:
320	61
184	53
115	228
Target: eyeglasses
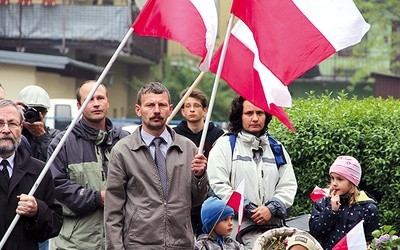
11	125
195	106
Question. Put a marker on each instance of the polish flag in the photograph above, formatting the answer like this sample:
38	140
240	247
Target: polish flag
236	201
248	76
293	36
192	23
353	240
318	193
244	71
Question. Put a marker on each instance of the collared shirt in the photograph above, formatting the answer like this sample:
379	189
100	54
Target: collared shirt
11	164
148	139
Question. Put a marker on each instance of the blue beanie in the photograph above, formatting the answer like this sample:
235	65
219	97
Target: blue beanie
210	211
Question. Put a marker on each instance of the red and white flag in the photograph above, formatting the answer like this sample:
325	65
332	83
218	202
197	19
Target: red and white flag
244	71
353	240
248	76
236	201
192	23
292	36
318	193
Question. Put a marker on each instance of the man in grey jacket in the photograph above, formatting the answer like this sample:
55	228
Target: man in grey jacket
147	208
80	172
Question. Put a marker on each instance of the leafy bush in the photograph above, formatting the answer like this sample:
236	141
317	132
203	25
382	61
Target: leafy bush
385	238
366	129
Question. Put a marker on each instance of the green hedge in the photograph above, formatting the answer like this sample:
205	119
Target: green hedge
326	127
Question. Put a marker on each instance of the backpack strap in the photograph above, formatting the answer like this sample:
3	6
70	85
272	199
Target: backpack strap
277	149
232	141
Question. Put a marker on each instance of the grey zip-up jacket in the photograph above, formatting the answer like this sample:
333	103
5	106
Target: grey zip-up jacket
136	214
205	242
79	173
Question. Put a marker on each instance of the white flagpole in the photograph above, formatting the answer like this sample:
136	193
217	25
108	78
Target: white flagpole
216	81
188	92
68	131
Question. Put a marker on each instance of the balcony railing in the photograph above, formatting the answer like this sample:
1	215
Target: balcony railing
95	27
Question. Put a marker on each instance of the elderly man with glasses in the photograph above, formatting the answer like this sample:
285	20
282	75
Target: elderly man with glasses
40	217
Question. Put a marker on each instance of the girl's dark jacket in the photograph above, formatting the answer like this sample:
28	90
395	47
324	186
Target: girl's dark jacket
328	226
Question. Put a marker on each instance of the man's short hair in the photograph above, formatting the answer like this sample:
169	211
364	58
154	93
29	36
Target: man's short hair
78	90
197	94
5	102
152	87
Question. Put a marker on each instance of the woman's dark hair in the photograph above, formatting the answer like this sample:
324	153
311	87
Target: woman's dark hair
235	116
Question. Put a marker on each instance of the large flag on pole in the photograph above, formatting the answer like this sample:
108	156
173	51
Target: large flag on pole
236	201
244	71
248	77
293	36
192	23
353	240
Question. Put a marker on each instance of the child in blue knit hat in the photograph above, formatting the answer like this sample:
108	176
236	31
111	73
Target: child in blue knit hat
217	219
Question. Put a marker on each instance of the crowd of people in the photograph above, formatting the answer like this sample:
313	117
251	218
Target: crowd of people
153	189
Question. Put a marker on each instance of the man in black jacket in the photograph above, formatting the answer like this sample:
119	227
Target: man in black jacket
194	109
41	218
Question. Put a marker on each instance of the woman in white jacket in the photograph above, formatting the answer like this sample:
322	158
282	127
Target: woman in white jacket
269	189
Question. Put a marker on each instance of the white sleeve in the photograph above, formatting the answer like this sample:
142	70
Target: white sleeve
219	168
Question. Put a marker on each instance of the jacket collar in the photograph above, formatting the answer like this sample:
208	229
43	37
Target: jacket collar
138	142
253	141
82	129
184	127
363	197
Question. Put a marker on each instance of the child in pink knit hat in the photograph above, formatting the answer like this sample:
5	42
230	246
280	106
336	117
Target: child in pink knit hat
335	215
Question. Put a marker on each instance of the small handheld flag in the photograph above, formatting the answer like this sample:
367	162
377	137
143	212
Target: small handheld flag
236	201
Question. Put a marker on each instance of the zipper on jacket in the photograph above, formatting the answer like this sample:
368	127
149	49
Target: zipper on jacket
165	224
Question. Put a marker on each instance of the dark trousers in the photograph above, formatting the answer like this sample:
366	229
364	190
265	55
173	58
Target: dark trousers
196	221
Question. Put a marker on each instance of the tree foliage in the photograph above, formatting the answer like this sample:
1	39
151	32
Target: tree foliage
381	46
